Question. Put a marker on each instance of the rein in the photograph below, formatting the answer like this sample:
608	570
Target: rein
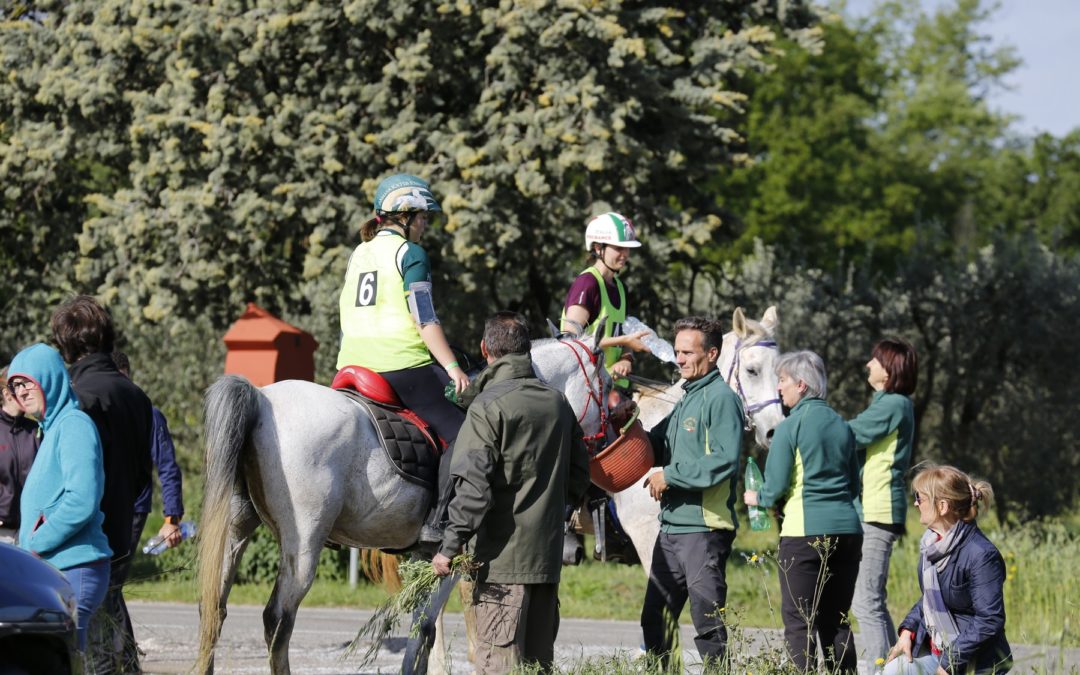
593	394
734	370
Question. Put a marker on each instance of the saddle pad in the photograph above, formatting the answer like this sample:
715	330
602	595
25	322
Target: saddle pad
409	449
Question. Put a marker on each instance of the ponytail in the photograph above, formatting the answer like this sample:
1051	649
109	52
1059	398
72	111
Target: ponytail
982	496
369	228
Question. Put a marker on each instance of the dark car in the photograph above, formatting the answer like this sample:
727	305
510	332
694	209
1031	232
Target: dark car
37	616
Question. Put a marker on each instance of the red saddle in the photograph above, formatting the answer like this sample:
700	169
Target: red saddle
376	389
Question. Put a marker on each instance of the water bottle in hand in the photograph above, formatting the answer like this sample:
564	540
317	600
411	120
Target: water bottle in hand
759	517
659	347
157	544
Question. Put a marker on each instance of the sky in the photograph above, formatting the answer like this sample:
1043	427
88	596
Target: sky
1045	89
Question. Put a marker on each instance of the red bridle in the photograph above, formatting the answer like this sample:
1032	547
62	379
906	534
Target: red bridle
594	393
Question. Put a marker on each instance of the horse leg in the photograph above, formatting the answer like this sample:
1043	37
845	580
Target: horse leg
466	588
243	524
438	660
296	572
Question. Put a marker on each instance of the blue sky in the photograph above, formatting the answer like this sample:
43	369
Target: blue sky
1045	89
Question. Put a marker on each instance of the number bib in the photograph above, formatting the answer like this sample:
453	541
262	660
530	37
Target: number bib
377	330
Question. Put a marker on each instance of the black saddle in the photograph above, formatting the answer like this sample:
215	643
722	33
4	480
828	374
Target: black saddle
408	447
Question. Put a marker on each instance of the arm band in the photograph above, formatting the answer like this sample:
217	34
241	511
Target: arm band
420	304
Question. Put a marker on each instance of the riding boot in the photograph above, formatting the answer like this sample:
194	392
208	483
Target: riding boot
432	532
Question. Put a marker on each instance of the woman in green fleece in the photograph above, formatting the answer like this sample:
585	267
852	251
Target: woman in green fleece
813	475
886	430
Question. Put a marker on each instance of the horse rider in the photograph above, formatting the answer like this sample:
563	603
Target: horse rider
598	292
389	323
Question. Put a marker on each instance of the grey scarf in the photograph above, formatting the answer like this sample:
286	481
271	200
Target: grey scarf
936	554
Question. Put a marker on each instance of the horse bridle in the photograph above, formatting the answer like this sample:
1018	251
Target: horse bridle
594	393
734	369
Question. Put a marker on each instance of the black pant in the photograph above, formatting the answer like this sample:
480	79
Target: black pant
693	566
112	647
422	390
817	582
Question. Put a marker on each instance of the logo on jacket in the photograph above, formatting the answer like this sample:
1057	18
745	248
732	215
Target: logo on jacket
690	424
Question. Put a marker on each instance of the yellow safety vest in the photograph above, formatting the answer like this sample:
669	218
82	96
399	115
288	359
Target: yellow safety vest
615	319
377	329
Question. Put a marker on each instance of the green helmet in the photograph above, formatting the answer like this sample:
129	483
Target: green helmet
404	193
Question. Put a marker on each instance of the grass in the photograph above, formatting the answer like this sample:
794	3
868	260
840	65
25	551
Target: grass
1042	589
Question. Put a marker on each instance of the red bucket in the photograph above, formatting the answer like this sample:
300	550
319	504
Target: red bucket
624	462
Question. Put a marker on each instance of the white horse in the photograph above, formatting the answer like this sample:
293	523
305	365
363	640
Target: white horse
306	461
747	362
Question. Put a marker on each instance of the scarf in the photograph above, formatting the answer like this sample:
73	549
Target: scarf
936	553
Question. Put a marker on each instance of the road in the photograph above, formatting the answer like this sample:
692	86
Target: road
168	634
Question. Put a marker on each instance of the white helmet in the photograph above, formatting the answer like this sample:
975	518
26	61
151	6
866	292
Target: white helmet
611	228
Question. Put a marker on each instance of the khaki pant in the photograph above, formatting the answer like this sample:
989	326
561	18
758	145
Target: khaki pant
515	624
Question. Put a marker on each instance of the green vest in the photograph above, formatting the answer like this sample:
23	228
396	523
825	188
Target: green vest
615	319
377	329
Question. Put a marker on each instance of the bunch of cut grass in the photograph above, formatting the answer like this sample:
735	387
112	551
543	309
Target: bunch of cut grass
418	582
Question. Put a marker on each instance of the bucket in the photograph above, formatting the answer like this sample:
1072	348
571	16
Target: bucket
625	461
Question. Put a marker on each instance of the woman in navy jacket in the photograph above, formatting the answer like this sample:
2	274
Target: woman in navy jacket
958	625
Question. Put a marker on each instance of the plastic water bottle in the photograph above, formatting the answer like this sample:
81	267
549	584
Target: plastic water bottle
659	347
157	544
759	517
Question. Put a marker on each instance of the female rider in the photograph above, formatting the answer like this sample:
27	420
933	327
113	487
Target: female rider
599	293
886	429
388	319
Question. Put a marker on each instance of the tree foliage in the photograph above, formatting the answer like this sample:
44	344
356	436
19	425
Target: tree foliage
886	141
181	159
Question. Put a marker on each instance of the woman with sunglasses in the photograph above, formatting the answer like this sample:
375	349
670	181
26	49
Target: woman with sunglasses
60	505
886	433
958	625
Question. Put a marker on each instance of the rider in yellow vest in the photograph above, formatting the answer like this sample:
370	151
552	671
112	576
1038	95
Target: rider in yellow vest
598	292
388	319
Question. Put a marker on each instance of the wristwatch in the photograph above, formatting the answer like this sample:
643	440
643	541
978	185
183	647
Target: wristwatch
172	520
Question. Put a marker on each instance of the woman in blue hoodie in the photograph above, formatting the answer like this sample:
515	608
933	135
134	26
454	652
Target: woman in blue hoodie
61	512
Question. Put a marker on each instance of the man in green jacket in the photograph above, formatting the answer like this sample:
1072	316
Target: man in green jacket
519	461
698	445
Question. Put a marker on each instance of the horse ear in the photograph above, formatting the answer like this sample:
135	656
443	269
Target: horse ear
738	323
598	335
769	320
553	328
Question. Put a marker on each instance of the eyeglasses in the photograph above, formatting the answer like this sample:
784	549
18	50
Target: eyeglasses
22	385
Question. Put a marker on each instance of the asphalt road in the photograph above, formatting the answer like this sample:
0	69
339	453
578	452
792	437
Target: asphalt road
168	634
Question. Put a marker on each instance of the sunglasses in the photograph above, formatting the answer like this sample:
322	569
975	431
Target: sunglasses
918	498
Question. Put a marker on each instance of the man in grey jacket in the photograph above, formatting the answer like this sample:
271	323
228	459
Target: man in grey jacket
520	460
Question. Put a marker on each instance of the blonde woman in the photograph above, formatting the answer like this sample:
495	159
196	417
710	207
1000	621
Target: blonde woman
958	625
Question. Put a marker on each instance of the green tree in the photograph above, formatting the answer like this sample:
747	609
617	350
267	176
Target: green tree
181	159
881	142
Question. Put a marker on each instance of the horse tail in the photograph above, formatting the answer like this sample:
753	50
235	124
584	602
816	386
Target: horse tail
230	409
381	568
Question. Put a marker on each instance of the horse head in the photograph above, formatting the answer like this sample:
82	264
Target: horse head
748	363
576	368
